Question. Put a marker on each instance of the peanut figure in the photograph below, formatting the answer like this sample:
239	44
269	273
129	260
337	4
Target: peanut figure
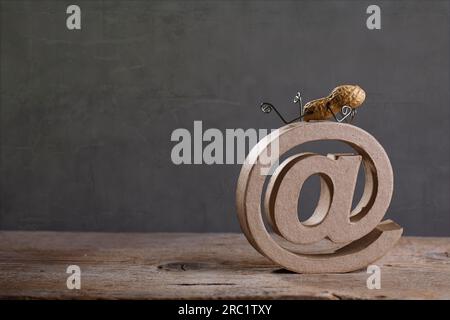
343	99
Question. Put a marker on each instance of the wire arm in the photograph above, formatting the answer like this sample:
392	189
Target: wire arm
267	107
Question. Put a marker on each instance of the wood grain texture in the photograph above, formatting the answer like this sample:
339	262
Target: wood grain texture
201	266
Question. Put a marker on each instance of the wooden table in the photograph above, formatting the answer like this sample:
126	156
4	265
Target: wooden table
201	266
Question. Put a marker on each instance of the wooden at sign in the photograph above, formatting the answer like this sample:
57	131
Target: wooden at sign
347	239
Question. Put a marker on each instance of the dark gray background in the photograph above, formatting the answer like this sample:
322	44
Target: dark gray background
86	116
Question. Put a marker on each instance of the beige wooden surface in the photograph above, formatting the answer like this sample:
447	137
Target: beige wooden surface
167	266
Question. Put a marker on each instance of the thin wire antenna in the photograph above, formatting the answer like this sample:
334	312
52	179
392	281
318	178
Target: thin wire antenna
267	107
298	99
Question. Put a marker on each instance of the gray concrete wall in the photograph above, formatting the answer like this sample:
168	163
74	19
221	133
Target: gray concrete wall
86	116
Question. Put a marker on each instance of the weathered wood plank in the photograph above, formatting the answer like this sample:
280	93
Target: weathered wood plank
201	266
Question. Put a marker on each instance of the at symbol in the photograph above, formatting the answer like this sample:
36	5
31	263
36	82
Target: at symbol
349	239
